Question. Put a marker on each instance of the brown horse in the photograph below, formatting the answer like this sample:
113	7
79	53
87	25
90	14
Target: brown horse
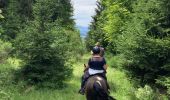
96	89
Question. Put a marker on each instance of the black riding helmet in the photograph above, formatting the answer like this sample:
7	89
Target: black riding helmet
96	50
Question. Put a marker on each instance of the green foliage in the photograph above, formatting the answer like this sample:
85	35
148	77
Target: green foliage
11	23
96	33
107	24
149	59
46	45
114	22
44	37
1	16
120	86
137	31
117	61
25	11
164	81
44	55
145	93
146	51
5	49
6	79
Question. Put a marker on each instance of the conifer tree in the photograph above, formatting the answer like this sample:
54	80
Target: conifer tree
45	44
17	13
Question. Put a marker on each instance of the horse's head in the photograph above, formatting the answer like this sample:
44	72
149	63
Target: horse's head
96	89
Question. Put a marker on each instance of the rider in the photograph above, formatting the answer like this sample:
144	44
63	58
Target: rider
101	49
96	65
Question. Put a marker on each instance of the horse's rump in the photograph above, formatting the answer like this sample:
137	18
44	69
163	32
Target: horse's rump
95	88
98	79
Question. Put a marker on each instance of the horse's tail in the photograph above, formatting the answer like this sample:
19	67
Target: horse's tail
101	92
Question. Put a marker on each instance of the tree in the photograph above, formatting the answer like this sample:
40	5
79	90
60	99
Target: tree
107	24
138	32
17	13
96	33
45	44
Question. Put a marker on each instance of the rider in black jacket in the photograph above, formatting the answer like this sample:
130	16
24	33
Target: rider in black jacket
96	65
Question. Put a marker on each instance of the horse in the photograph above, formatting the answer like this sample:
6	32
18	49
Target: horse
96	89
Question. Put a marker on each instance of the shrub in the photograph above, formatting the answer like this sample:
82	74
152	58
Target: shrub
117	61
145	93
150	59
44	55
5	49
165	82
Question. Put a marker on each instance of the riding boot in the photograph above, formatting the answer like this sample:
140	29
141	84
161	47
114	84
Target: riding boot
83	82
81	91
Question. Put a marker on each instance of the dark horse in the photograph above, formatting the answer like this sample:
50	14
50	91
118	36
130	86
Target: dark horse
96	89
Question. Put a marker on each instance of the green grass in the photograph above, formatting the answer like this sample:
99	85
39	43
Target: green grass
120	87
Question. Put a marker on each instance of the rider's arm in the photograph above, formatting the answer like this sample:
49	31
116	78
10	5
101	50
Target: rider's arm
86	67
105	66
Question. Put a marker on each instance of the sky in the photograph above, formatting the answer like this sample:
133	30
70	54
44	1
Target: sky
83	10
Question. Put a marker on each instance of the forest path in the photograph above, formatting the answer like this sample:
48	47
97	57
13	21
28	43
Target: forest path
121	88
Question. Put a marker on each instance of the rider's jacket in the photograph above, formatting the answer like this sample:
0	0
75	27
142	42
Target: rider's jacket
96	65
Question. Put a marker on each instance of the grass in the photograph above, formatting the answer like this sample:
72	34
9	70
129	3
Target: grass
120	86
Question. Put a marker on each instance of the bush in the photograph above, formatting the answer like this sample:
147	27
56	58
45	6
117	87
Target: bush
5	49
6	80
45	57
117	61
147	93
149	60
4	95
165	82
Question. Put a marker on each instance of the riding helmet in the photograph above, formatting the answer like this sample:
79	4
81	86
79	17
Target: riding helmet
96	50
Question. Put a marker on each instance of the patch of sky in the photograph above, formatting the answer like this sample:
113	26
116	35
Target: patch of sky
83	10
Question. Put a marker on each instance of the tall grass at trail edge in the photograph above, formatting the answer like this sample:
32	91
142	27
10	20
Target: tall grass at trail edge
121	87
